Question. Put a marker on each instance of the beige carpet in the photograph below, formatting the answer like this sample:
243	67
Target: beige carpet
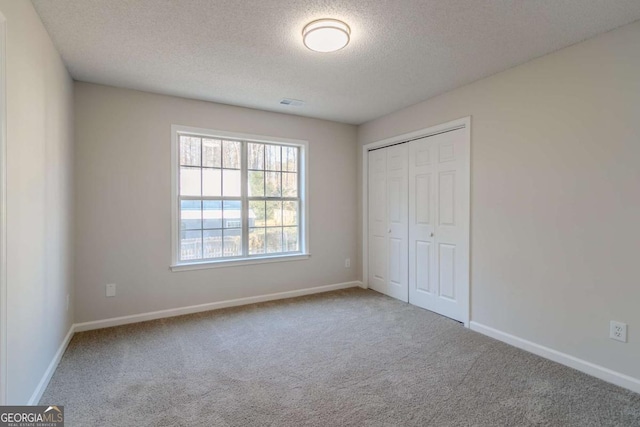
345	358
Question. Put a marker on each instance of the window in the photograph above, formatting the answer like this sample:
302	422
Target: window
236	197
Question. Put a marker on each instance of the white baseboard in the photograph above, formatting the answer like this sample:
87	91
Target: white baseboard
592	369
142	317
44	382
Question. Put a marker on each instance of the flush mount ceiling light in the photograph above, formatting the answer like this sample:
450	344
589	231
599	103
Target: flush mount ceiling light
326	35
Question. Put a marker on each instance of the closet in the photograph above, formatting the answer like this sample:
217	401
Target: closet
418	221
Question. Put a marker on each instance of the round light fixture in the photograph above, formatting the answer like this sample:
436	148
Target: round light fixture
326	35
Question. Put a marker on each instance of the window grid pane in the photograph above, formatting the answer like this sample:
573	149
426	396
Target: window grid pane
289	184
231	154
274	240
255	154
273	158
211	153
273	184
211	182
212	214
190	154
212	243
232	243
211	224
191	244
190	215
290	239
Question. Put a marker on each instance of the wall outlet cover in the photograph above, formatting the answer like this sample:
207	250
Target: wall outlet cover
111	289
618	331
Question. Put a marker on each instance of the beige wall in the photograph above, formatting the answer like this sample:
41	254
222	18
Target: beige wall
123	203
39	199
555	195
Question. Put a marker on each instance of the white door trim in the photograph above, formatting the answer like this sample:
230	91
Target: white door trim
465	123
3	213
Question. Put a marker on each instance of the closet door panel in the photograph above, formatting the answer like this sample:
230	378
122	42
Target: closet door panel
438	217
377	233
421	227
397	186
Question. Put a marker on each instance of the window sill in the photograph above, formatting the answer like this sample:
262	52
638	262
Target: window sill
237	262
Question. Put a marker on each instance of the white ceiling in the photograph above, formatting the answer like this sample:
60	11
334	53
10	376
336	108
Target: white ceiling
250	52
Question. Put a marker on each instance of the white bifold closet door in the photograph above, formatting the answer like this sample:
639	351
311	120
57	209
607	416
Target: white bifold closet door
439	223
418	207
388	221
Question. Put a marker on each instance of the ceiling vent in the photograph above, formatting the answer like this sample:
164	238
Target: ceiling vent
292	102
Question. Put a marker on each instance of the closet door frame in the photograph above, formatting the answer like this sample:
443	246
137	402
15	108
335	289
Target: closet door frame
465	123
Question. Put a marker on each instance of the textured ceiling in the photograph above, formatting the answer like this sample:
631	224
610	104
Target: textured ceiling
250	53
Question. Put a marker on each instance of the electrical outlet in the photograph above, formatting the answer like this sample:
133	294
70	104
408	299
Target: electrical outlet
347	262
111	290
618	331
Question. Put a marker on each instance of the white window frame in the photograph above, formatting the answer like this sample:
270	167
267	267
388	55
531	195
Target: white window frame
303	169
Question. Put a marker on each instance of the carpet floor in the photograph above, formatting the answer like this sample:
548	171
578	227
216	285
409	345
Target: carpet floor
344	358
